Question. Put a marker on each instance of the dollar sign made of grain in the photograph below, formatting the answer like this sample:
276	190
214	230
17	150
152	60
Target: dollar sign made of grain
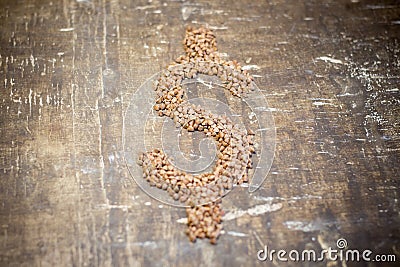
201	193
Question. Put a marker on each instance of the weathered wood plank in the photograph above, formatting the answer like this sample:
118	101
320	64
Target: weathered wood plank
69	69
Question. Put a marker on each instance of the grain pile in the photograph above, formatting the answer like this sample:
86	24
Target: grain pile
201	193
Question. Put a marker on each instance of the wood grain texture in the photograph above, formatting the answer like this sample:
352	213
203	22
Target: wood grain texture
330	71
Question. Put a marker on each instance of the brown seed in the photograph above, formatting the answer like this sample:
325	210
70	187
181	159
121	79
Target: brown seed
164	186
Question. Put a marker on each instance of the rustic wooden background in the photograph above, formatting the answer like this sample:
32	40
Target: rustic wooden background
329	69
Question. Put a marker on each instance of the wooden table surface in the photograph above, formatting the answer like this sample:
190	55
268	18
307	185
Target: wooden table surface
330	71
